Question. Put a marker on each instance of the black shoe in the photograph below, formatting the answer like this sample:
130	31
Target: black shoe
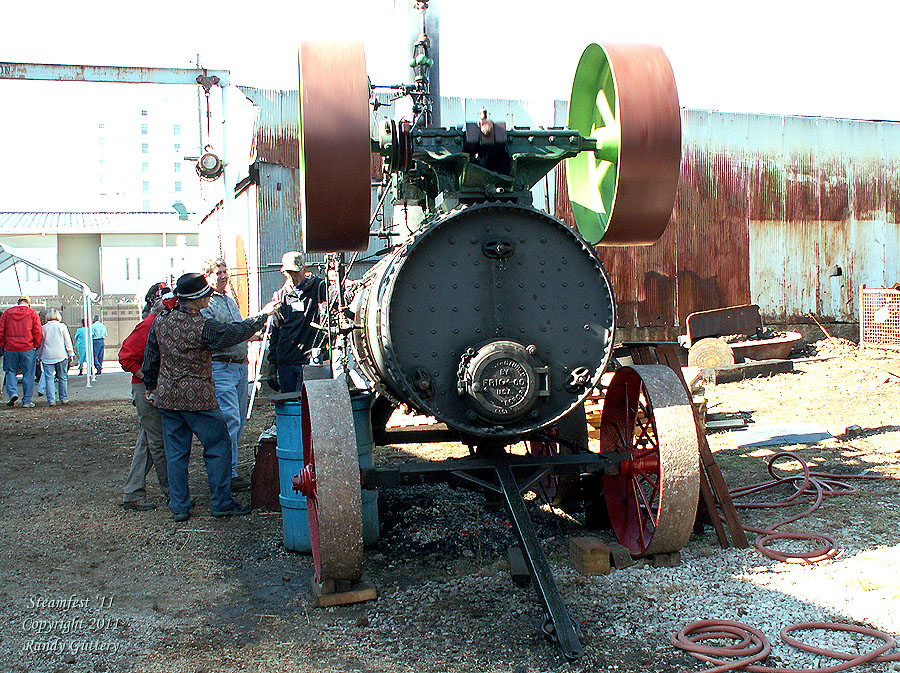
237	510
239	484
139	505
181	516
12	400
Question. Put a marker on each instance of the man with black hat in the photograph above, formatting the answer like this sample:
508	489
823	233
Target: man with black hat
177	372
293	331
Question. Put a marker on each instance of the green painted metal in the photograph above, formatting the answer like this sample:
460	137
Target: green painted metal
451	177
593	112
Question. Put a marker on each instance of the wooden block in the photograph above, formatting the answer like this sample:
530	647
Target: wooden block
518	569
725	423
589	556
746	370
621	557
668	560
357	592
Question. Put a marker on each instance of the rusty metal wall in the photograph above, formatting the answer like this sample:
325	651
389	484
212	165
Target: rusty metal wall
276	140
791	213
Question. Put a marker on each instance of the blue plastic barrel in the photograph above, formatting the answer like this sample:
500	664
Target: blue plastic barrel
295	521
289	449
361	402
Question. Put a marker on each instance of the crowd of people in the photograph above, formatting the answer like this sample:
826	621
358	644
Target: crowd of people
188	358
37	345
189	362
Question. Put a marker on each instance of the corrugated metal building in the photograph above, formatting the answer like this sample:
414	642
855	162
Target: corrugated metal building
791	213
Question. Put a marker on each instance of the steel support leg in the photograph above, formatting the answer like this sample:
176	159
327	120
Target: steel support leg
563	626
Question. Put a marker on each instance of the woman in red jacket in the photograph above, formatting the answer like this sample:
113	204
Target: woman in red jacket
149	451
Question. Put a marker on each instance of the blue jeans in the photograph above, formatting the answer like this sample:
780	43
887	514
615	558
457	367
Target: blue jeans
12	362
61	370
231	394
178	429
99	347
290	378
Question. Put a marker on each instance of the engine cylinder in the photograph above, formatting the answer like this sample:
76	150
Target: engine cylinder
496	319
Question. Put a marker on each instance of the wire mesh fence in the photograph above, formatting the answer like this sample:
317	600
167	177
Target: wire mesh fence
119	313
879	317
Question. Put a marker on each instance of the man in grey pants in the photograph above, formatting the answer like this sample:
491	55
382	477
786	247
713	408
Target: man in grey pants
149	451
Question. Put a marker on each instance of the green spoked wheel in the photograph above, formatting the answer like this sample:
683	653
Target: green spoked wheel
624	96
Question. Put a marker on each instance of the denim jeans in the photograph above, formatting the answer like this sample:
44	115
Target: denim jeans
178	429
290	378
231	394
99	347
61	370
12	362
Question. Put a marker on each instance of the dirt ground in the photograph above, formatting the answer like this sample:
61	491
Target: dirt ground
87	586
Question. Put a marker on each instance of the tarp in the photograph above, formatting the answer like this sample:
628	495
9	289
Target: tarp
10	256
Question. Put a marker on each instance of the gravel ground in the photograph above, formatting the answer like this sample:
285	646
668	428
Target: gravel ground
87	586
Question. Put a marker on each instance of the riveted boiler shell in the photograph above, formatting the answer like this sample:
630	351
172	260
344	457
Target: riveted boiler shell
442	294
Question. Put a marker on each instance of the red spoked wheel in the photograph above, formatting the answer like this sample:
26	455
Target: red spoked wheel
652	500
330	481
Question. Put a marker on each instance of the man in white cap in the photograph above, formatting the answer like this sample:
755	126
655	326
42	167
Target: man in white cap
293	334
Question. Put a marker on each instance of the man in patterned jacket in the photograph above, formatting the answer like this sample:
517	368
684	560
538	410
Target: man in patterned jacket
178	375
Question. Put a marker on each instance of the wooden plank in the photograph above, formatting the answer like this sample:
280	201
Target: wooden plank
725	423
358	592
746	370
709	504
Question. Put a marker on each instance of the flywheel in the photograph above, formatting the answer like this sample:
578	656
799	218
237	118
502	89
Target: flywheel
652	500
335	156
624	96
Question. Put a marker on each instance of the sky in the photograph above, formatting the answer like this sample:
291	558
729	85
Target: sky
792	57
781	57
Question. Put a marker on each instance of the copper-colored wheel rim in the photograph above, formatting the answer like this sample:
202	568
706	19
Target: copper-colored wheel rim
624	95
334	147
334	501
652	501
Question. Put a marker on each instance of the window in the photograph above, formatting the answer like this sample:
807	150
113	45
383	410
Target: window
101	141
137	268
143	113
177	186
145	148
176	130
145	206
143	129
178	167
145	167
177	147
127	270
146	186
99	126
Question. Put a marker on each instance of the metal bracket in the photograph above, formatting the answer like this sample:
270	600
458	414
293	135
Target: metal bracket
548	592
